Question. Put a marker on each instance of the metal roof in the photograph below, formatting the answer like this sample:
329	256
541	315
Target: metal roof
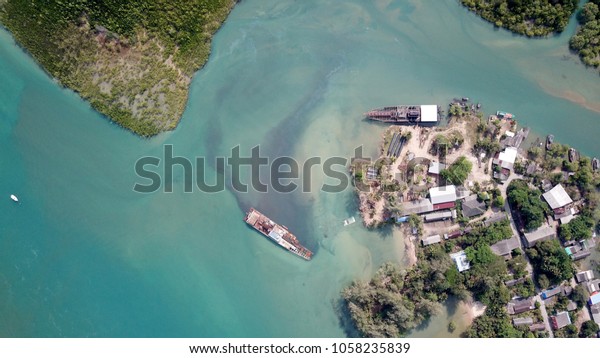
442	194
542	233
505	247
557	197
432	240
509	155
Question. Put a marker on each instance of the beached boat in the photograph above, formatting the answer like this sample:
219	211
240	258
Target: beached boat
549	141
595	164
277	233
14	198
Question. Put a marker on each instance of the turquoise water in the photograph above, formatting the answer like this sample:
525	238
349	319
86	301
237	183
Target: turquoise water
83	255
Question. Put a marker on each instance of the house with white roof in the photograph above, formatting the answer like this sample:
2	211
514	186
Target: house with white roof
558	200
442	194
505	160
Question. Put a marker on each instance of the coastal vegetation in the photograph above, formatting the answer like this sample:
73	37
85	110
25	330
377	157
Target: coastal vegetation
526	17
395	301
586	42
131	60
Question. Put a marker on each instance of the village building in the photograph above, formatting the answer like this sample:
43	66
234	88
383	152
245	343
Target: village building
540	326
581	255
504	248
551	292
520	306
472	207
543	233
571	306
443	197
460	259
419	206
505	162
584	276
595	310
440	215
432	240
558	200
592	286
495	219
522	321
560	320
594	299
435	168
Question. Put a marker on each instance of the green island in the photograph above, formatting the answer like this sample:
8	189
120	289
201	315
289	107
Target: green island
132	60
542	18
586	41
500	224
526	17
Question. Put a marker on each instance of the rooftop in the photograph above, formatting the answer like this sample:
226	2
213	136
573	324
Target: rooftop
551	292
442	194
436	167
472	207
460	258
557	197
417	207
505	247
560	320
543	233
432	240
509	155
429	113
584	276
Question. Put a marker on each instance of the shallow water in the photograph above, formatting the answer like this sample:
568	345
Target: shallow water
83	255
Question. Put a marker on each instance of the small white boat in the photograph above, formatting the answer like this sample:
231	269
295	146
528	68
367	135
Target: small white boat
349	221
14	198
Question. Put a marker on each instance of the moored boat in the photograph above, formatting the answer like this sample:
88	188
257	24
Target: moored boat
504	115
277	233
549	141
573	155
426	114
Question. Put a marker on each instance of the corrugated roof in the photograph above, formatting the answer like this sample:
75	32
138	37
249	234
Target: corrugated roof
509	155
417	207
543	233
557	197
472	207
432	240
442	194
505	247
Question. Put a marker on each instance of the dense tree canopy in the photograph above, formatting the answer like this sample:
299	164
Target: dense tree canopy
527	17
527	201
586	41
551	260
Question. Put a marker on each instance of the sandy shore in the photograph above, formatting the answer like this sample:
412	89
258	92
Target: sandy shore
472	310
